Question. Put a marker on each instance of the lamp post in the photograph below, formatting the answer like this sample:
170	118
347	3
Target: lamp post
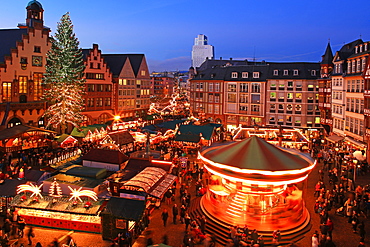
354	169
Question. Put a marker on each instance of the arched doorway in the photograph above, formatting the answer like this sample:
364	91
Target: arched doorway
13	122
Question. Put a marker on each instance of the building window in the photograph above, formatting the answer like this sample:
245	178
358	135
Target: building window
243	98
276	72
7	91
231	87
143	73
107	101
22	84
95	76
256	74
273	95
272	106
295	72
290	84
37	49
255	98
285	72
37	86
255	108
231	97
244	74
210	87
256	87
313	72
234	74
244	87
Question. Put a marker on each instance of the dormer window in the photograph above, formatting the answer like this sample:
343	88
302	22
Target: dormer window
365	48
295	72
244	74
285	72
276	72
356	49
234	74
256	74
360	48
213	75
313	72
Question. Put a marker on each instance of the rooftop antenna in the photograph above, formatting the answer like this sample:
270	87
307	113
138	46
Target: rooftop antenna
254	54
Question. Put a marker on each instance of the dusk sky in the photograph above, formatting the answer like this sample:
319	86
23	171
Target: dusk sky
271	30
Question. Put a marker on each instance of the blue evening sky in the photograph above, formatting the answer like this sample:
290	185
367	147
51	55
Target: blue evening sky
271	30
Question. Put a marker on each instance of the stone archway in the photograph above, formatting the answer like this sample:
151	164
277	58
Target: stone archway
14	122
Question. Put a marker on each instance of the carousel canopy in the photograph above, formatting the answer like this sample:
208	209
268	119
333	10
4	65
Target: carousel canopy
255	153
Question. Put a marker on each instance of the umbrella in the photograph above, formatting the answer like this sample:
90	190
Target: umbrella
358	155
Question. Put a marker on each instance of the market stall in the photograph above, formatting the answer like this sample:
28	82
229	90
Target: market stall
23	137
79	211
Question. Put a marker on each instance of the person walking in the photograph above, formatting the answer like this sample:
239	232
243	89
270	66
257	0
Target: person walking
330	227
175	212
187	221
21	226
164	217
30	235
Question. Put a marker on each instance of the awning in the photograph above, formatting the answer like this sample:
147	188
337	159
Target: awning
159	190
354	142
334	138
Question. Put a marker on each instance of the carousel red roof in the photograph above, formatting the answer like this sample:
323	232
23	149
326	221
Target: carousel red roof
255	153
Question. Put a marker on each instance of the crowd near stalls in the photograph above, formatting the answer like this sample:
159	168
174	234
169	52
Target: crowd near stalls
83	180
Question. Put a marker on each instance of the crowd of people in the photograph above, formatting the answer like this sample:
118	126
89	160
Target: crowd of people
336	192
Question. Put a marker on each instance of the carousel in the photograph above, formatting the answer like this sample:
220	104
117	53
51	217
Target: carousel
255	183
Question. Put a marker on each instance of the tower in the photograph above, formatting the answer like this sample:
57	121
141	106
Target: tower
201	51
325	89
35	14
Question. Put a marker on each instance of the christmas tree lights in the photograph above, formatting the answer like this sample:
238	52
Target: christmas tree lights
63	80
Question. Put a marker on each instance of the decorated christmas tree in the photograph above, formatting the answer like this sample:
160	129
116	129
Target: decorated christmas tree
63	80
55	190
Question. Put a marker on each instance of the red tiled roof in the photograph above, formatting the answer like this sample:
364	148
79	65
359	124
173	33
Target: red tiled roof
106	156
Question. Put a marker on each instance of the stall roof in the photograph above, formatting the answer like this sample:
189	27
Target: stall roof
127	209
19	130
9	187
76	180
191	131
34	175
122	137
64	137
83	171
334	138
105	156
84	130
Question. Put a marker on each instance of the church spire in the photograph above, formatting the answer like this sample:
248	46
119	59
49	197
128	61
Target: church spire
327	58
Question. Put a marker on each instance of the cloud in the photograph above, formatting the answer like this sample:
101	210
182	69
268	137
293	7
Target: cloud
172	64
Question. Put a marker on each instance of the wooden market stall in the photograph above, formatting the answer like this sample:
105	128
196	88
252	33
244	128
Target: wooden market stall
23	137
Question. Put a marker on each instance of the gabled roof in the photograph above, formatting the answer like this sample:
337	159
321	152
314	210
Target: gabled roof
327	58
211	63
304	70
128	209
347	50
84	130
8	40
255	153
106	156
19	130
116	62
122	137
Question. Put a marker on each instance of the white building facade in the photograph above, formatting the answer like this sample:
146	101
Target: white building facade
201	51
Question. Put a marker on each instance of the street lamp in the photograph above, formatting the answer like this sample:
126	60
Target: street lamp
354	169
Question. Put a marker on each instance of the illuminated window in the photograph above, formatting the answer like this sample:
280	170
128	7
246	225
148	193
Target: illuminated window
273	95
234	74
231	97
231	87
22	84
244	74
7	91
313	72
138	82
143	72
37	86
